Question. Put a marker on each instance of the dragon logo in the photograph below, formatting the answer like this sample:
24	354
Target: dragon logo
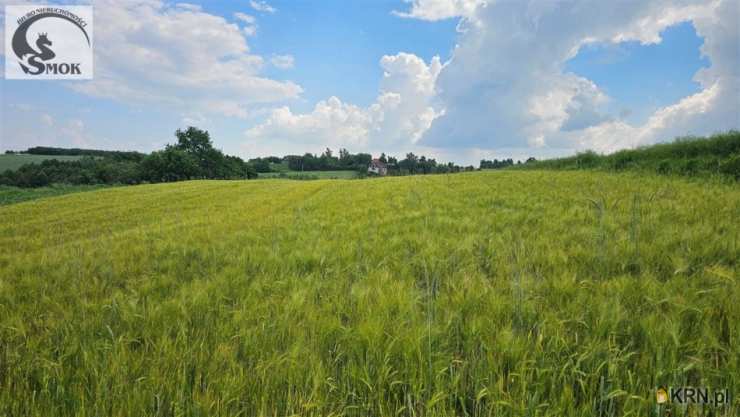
40	60
43	43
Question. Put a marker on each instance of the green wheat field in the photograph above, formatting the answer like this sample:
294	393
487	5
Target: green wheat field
506	293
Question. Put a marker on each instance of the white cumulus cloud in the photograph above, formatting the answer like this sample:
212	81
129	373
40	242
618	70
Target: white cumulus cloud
149	52
506	87
402	111
715	108
434	10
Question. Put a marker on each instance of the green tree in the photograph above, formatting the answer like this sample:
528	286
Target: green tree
171	164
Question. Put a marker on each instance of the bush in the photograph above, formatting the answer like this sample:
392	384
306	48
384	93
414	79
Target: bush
623	160
588	159
689	156
731	167
664	167
689	166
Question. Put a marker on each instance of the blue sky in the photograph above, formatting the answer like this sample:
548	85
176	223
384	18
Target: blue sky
455	79
665	70
337	44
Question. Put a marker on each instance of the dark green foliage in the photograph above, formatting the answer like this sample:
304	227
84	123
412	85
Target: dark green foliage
731	166
623	160
504	163
328	162
118	155
718	155
346	161
496	164
171	164
261	165
12	195
586	160
192	157
85	171
414	164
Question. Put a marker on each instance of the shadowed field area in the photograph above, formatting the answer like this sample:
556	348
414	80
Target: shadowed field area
11	195
310	174
15	161
504	293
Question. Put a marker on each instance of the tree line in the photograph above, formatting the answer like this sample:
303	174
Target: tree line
414	164
191	157
346	161
118	155
504	163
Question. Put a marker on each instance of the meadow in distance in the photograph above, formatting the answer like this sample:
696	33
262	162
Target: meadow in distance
537	291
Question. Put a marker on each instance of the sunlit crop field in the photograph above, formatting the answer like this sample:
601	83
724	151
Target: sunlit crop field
490	293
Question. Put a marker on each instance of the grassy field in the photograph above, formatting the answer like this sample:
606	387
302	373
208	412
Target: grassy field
11	195
310	174
509	293
281	167
13	162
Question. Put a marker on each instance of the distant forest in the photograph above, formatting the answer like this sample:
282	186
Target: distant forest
121	155
346	161
193	156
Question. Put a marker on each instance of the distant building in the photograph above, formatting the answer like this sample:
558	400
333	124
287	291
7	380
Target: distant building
377	167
